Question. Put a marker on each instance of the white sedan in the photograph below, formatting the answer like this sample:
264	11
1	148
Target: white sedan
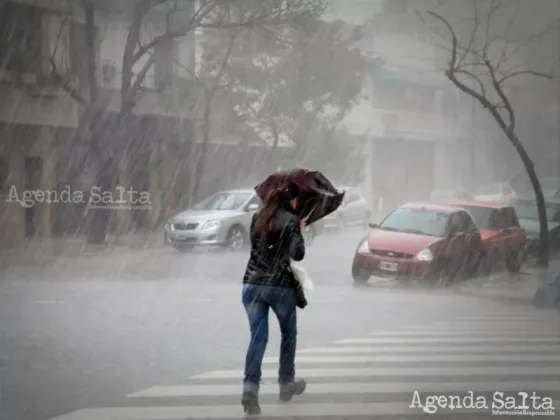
497	193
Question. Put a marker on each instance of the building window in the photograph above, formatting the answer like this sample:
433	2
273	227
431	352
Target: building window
20	38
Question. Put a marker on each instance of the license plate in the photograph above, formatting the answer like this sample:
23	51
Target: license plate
185	237
388	266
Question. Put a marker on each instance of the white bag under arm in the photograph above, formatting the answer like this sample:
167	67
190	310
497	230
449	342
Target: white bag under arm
301	275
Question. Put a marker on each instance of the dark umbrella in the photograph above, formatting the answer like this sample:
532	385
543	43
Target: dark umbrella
318	197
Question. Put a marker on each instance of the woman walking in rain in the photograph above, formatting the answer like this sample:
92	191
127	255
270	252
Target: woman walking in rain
269	284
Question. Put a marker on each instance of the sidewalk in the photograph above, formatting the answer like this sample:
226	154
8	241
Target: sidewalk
48	250
502	286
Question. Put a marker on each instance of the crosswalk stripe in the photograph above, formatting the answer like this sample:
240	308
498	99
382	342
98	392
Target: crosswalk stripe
320	410
444	339
482	321
395	364
460	358
474	328
171	391
469	349
509	317
514	326
399	371
459	332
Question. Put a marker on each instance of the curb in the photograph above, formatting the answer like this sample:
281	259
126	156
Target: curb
519	300
41	256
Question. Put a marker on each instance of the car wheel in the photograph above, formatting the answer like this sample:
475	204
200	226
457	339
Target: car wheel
360	274
447	274
484	266
236	238
514	262
183	248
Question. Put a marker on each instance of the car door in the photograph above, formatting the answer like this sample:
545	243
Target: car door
473	245
454	251
249	214
514	233
498	243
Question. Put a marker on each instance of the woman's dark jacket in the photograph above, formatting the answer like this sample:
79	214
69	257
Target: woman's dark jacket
269	262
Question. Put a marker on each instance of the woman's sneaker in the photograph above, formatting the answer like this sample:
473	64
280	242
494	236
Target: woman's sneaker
289	389
250	402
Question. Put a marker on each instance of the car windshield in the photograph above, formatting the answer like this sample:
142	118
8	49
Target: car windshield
489	190
550	187
223	201
418	221
482	216
527	209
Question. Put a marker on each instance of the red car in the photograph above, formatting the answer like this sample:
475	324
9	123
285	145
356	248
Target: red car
503	237
422	241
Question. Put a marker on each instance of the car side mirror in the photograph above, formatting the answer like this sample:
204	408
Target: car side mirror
253	207
373	225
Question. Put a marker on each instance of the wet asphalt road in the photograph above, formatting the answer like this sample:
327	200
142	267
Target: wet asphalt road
87	332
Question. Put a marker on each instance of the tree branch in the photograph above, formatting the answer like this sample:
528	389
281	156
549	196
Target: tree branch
506	102
65	85
524	72
57	77
451	74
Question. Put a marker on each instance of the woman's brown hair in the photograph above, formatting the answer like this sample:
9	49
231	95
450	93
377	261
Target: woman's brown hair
278	198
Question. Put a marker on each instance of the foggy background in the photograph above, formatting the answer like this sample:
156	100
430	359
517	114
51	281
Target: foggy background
182	98
388	122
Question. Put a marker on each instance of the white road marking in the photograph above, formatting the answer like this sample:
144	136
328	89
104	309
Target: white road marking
409	371
170	391
491	340
470	333
444	339
420	358
467	349
268	411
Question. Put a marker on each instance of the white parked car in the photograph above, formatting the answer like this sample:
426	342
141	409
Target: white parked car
223	219
498	193
354	210
451	194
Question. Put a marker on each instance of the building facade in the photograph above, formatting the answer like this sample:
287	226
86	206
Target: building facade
412	115
42	71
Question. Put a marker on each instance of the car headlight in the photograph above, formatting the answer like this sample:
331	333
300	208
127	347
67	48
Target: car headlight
425	255
211	224
169	226
364	247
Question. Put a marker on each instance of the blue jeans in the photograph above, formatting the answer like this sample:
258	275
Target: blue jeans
257	300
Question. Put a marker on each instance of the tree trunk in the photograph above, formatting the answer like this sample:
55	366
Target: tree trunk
201	161
101	217
543	252
98	221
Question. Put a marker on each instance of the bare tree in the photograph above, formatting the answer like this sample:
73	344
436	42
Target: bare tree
140	56
476	69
